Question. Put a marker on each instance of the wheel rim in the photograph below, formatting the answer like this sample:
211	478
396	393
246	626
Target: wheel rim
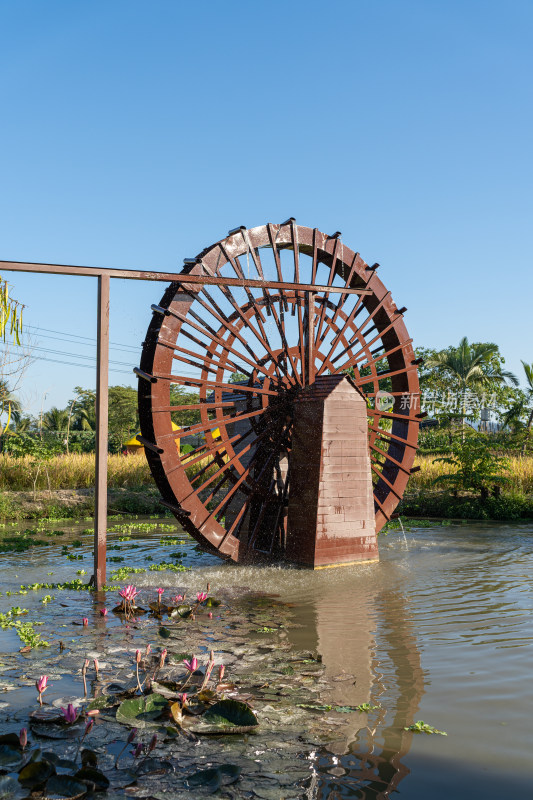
230	492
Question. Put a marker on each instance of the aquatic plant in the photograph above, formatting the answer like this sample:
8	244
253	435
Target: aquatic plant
423	727
41	685
70	714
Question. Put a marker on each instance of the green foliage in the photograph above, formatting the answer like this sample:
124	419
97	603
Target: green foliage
181	396
25	629
510	506
477	465
455	375
422	727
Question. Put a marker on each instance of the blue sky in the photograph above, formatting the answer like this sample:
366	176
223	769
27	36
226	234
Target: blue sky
134	134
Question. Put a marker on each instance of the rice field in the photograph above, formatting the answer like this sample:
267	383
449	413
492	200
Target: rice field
519	473
76	471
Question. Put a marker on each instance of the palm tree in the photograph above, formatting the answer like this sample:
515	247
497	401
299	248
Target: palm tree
86	418
472	366
56	419
522	407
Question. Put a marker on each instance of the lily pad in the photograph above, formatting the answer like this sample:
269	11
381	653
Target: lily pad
141	712
184	611
36	773
10	788
151	766
88	758
10	739
102	702
212	779
226	717
212	602
10	758
165	633
231	712
93	777
63	786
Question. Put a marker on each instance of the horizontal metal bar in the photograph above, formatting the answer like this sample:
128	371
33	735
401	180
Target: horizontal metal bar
172	277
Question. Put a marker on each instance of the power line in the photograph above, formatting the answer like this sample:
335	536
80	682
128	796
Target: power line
71	336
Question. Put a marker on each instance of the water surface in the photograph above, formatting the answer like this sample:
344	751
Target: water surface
440	630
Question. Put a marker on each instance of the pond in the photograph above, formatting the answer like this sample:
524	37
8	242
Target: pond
440	630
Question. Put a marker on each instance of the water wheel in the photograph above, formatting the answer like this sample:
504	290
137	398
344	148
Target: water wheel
246	352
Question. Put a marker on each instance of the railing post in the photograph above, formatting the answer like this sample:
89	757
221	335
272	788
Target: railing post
102	379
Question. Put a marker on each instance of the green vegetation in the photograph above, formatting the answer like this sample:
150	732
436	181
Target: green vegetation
24	628
422	727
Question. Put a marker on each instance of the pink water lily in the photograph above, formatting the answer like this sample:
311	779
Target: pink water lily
96	665
191	665
41	685
138	750
201	596
85	622
70	714
23	737
129	593
160	592
182	697
138	656
103	612
177	598
221	671
162	657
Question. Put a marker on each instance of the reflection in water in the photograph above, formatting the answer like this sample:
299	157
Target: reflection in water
371	749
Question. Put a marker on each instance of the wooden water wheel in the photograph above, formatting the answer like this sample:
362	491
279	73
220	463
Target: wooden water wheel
270	314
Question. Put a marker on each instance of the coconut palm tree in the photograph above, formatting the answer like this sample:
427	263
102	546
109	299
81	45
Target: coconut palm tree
56	419
523	407
472	366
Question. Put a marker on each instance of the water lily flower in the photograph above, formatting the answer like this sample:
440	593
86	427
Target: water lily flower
160	592
70	714
210	615
221	671
103	612
162	657
93	712
201	596
138	750
88	726
133	734
96	665
153	742
23	737
182	696
148	649
177	598
191	665
138	656
85	622
128	594
41	685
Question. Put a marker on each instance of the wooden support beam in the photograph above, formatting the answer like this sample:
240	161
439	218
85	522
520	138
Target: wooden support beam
102	373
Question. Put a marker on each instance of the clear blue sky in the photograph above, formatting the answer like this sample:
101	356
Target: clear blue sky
136	133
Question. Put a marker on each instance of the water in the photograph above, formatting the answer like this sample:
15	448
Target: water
440	630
